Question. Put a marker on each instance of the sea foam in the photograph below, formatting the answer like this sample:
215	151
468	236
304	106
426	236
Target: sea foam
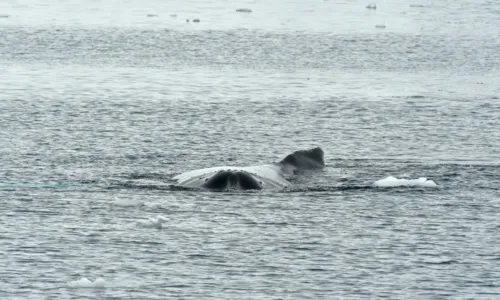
86	283
394	182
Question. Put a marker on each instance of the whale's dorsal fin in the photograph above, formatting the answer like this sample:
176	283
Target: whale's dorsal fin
304	159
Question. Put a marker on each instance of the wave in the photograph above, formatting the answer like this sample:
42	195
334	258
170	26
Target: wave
382	183
86	283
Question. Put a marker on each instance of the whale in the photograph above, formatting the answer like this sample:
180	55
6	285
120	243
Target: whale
258	177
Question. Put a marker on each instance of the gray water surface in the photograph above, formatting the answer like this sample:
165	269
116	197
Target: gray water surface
101	105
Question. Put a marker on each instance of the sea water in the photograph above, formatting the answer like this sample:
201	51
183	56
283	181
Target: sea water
103	102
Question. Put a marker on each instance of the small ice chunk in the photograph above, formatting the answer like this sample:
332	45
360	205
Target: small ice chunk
99	282
245	10
86	283
394	182
153	222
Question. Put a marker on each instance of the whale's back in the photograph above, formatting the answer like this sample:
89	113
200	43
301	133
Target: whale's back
266	176
254	177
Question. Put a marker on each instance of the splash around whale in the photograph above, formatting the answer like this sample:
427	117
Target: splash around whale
268	176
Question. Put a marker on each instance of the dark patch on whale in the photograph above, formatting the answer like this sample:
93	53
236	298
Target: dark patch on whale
224	180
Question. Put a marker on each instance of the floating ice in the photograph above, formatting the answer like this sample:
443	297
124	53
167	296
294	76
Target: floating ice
152	222
85	283
372	6
245	10
393	181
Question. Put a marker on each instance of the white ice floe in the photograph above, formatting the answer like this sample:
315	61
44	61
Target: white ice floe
394	182
86	283
245	10
155	222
